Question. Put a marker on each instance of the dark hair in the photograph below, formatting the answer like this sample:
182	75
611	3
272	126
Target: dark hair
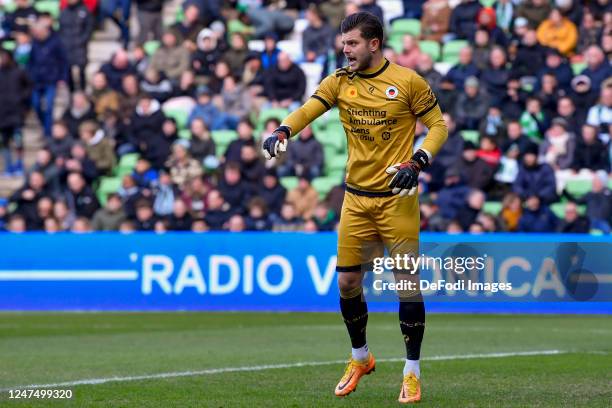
369	25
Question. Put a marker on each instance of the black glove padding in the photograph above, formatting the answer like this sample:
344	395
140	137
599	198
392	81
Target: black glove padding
277	142
406	175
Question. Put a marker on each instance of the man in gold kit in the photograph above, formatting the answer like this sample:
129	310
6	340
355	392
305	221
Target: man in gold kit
379	104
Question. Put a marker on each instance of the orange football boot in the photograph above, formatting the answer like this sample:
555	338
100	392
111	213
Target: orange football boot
353	373
411	390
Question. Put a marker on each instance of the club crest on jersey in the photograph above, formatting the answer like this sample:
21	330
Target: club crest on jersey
351	92
391	92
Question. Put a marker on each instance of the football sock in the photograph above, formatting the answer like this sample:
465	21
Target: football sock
361	353
355	314
412	366
412	324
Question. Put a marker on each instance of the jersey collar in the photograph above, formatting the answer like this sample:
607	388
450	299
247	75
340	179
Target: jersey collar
376	71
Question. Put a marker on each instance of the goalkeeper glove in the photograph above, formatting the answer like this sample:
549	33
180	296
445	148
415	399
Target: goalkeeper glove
277	142
406	175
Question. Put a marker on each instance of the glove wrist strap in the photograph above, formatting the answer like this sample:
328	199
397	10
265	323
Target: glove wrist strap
421	159
284	129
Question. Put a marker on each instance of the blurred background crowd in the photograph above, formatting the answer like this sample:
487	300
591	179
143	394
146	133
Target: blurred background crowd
148	115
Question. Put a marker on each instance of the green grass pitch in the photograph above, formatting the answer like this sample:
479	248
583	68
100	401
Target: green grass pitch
460	367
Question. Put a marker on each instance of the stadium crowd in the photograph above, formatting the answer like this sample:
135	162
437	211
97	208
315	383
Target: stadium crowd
527	100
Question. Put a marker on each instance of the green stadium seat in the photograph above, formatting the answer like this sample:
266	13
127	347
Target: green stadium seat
9	45
335	136
185	134
222	139
432	48
289	182
151	46
323	184
179	115
471	136
610	183
450	50
406	26
577	67
108	185
492	207
126	164
277	113
336	163
396	42
596	232
48	6
559	209
579	187
9	6
487	3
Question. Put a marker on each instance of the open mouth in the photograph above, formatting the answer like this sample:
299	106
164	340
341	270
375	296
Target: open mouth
351	60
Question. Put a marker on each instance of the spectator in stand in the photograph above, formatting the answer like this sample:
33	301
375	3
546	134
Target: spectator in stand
14	102
567	111
285	83
535	179
468	213
201	146
425	68
183	168
448	156
180	219
304	156
63	215
234	99
149	14
194	195
145	217
245	136
44	163
258	218
80	197
591	154
475	171
435	20
22	18
410	54
453	195
573	222
535	11
252	167
472	105
530	56
549	94
111	216
463	19
288	220
317	37
533	120
371	7
117	68
155	84
143	175
76	25
235	190
598	203
558	32
493	124
589	32
600	115
44	209
557	149
206	110
119	12
583	96
190	27
497	75
489	152
100	149
447	95
272	192
47	68
487	20
218	211
164	192
511	212
204	59
103	97
598	67
303	197
464	69
26	198
537	217
481	49
269	56
237	53
558	67
78	162
146	123
81	110
171	58
516	138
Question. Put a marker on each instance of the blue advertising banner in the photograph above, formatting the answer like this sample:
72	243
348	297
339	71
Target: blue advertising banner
293	272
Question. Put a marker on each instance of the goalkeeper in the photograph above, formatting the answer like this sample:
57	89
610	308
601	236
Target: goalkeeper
379	104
